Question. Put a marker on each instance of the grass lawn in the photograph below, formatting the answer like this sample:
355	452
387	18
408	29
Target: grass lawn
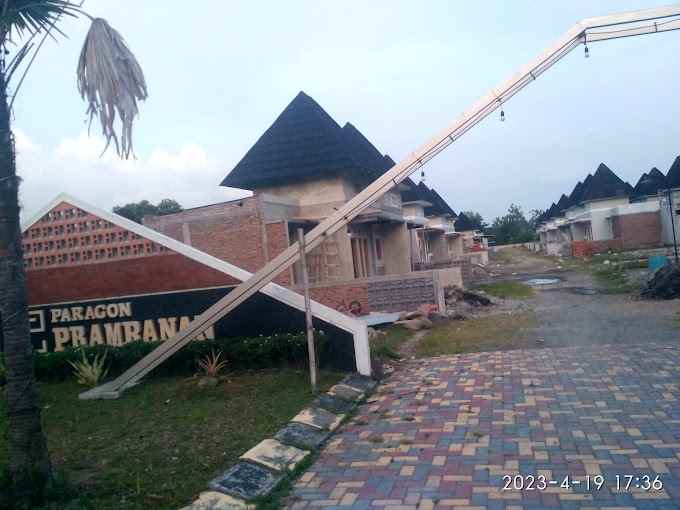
159	445
512	290
494	332
387	346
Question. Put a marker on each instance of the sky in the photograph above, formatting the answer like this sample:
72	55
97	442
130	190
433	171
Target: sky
220	72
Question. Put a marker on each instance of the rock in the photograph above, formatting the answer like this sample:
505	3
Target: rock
207	382
246	481
607	262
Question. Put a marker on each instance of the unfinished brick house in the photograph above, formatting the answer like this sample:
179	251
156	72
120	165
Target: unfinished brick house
300	170
604	213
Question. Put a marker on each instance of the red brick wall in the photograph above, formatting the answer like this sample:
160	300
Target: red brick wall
230	231
277	241
160	273
343	297
588	248
640	230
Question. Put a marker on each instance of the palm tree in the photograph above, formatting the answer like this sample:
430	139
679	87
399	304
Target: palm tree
111	82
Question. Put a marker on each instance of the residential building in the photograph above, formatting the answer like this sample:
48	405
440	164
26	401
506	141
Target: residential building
299	171
669	203
604	213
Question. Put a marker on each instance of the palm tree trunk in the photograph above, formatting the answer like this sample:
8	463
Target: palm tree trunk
29	460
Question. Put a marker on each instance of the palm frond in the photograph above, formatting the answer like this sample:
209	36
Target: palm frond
21	17
111	81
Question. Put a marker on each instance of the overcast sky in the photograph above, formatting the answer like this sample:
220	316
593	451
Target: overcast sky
220	72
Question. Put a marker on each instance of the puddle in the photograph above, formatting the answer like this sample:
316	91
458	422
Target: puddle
542	281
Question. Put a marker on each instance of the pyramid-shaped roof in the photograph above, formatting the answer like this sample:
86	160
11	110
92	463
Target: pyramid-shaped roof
441	204
673	175
551	212
649	184
605	184
415	193
305	142
562	204
463	223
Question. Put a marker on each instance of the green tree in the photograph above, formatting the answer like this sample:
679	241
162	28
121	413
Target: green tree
136	211
476	219
513	227
111	82
534	215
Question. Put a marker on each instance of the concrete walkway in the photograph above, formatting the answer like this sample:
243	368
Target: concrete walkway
443	432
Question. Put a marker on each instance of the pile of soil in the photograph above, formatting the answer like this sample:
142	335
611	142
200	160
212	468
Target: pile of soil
456	295
665	284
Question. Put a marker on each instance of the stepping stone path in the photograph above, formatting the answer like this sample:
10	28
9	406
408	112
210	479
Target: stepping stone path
264	466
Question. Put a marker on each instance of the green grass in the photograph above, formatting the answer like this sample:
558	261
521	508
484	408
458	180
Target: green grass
613	280
494	332
159	445
512	290
387	346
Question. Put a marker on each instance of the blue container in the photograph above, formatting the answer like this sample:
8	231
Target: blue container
656	262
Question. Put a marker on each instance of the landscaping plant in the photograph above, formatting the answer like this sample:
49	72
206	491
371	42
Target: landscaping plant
211	364
89	373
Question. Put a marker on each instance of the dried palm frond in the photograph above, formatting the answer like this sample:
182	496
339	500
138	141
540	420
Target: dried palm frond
211	364
111	81
87	372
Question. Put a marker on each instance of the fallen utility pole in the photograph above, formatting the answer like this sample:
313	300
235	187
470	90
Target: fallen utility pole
648	21
313	374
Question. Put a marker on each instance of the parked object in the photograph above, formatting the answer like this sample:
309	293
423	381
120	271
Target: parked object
665	284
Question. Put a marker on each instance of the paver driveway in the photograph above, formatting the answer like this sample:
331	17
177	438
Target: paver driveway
442	433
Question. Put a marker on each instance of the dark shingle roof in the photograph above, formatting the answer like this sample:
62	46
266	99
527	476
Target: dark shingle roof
439	206
673	175
605	184
415	193
463	223
551	212
305	142
562	204
649	184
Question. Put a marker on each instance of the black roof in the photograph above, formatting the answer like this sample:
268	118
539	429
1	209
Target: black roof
444	207
463	223
305	142
551	212
649	184
605	184
415	193
562	203
574	195
673	175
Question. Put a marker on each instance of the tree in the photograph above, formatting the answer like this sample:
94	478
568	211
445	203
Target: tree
476	220
534	216
136	211
513	227
111	82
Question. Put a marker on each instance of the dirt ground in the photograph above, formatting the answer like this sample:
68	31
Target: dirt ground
576	311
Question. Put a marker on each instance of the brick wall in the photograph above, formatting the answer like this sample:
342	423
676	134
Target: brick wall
277	241
231	231
641	230
588	248
349	298
160	273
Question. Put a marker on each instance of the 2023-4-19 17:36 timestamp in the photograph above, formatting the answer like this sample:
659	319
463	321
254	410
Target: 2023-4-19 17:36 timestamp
619	483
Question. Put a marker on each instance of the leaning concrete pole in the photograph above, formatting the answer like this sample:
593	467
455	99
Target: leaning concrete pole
648	21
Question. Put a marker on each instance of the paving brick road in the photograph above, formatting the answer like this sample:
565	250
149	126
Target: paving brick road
443	432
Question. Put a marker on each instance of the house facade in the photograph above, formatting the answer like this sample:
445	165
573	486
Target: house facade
605	213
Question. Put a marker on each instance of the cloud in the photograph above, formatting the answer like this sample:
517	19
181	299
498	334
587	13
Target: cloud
187	174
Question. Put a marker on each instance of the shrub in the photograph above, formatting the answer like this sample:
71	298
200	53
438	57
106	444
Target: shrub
243	353
211	364
89	371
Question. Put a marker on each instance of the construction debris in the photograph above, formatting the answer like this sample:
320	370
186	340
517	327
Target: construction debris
665	284
455	295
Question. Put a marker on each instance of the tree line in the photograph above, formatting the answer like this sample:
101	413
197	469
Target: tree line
513	227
